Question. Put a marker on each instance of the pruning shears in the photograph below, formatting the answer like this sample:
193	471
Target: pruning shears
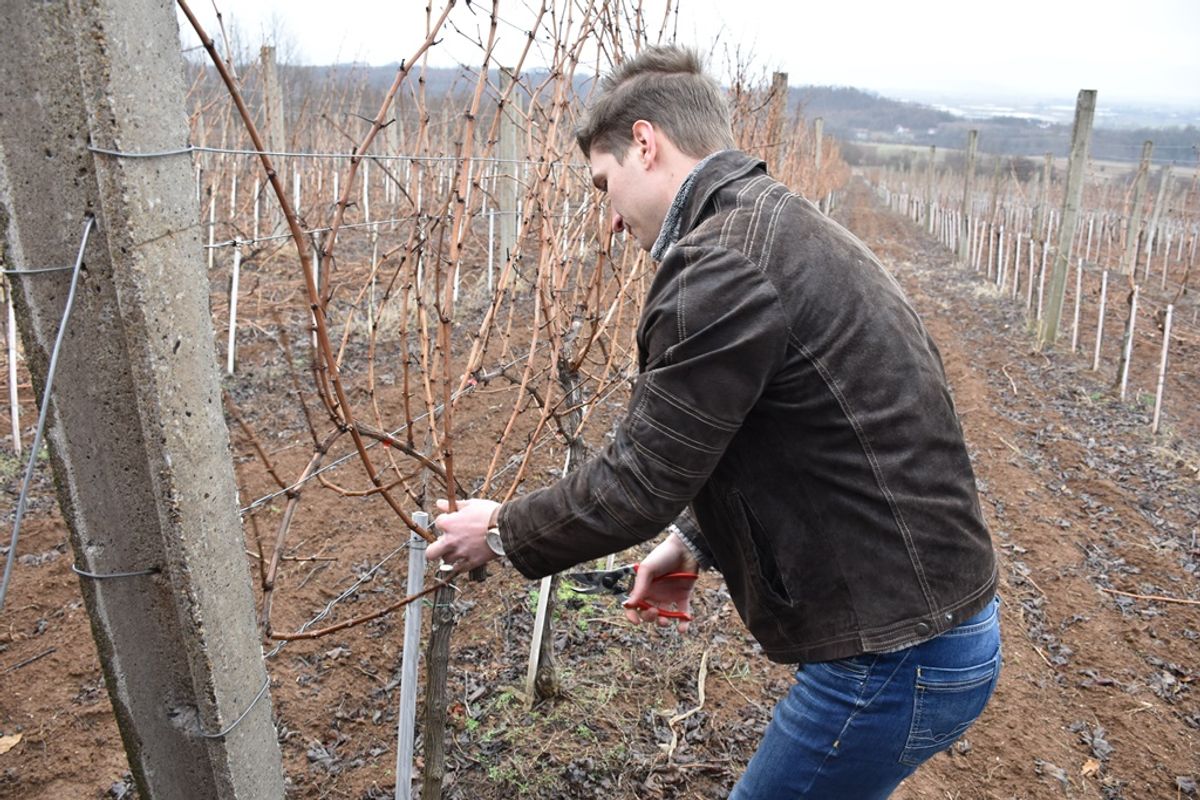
619	581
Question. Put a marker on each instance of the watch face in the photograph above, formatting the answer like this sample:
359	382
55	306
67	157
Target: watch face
494	541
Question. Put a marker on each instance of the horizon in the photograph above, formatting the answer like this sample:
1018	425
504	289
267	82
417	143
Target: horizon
881	47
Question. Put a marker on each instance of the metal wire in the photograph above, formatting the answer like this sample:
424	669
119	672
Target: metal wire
223	733
108	576
268	498
32	271
583	209
89	222
366	576
195	148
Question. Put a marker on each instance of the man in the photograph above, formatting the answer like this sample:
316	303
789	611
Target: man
791	398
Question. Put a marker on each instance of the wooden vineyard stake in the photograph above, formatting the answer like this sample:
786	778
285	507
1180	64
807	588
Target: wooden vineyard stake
437	668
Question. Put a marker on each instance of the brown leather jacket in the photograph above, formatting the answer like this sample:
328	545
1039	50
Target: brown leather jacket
791	396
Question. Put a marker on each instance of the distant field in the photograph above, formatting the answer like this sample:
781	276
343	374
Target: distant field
885	151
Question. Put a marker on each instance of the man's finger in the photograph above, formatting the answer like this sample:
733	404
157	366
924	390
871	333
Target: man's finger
443	504
435	550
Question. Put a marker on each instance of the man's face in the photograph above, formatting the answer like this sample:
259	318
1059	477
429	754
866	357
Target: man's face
632	194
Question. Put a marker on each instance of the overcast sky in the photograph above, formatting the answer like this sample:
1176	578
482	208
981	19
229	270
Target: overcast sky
1147	51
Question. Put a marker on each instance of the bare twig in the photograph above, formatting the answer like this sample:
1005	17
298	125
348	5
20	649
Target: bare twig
1154	597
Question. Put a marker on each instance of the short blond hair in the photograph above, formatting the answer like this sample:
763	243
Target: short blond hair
666	86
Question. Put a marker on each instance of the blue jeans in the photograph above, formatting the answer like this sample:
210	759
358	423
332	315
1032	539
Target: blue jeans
854	728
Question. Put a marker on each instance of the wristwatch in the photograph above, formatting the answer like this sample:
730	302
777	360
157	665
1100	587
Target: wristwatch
493	538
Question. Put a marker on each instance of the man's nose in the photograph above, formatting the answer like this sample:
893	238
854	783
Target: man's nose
618	222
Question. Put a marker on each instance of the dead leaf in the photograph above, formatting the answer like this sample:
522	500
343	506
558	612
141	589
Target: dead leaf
1090	767
9	742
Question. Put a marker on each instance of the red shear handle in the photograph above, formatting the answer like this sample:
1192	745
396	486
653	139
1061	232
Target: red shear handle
642	605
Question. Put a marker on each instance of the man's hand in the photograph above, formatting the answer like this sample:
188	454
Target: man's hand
463	542
672	555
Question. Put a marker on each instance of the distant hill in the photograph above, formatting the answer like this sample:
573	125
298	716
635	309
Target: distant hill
847	110
853	115
850	114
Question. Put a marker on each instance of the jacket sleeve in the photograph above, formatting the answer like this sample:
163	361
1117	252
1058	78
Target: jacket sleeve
688	531
711	337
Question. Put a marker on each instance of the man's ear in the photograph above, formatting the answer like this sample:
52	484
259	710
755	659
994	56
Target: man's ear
645	142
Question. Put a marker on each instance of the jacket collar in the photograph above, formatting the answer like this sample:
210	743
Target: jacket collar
717	171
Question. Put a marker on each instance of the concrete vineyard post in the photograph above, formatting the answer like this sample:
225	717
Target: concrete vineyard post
275	133
1164	179
972	143
929	183
163	572
1085	110
1129	259
775	152
508	187
1133	223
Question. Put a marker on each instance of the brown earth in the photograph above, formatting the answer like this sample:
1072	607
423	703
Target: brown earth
1096	698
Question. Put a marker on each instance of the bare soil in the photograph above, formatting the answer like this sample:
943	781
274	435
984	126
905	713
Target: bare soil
1097	698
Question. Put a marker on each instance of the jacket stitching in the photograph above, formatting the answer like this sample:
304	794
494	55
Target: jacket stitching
727	228
755	221
680	325
684	473
864	442
696	415
776	215
719	182
649	487
679	437
617	518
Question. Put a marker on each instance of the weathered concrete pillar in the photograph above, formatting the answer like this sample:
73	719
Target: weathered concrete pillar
272	99
508	184
818	148
275	132
1133	224
964	219
1081	134
138	443
775	154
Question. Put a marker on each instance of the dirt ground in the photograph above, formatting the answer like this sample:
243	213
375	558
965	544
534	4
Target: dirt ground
1097	698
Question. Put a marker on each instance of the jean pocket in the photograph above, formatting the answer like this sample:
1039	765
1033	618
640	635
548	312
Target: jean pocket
853	668
947	701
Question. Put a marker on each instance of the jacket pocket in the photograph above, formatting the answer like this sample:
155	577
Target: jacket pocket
947	701
755	543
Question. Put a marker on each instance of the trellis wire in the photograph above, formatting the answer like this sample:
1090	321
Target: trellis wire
338	462
22	499
194	148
